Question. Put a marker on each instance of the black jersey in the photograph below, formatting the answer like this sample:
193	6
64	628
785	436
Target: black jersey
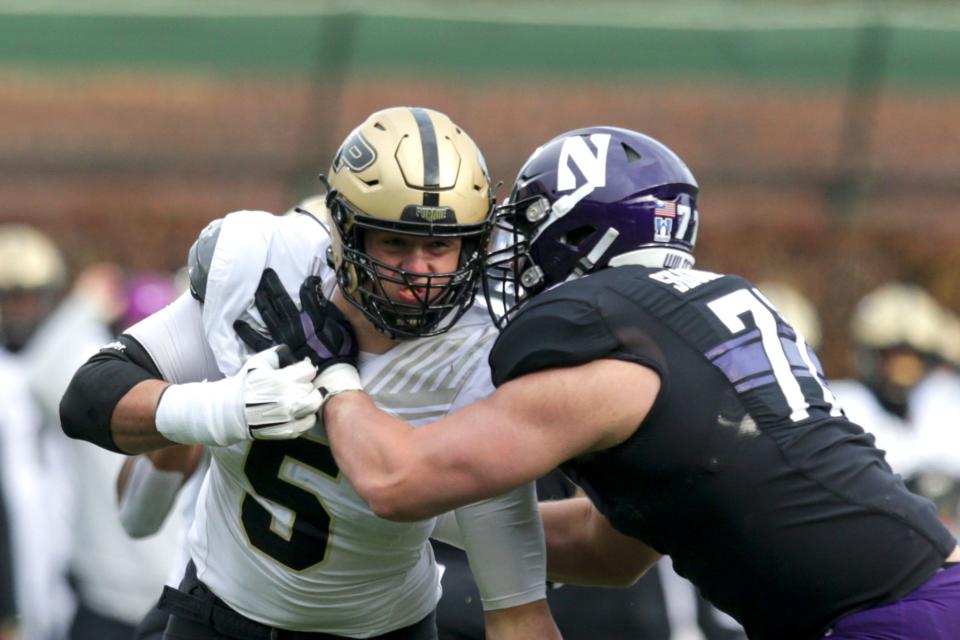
745	471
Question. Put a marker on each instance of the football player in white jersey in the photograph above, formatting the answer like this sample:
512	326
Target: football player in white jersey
282	546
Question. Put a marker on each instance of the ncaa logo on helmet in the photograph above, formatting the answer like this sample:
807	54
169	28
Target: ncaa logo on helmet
356	153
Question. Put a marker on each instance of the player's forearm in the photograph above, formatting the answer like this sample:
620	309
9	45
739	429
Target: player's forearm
526	621
372	448
148	486
583	548
566	532
133	423
182	459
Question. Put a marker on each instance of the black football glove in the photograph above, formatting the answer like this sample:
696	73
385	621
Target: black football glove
319	331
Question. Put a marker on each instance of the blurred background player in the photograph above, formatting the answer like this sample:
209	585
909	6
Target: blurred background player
904	390
78	575
16	479
33	278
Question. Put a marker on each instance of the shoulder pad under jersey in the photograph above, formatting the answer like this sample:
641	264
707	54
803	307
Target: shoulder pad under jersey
200	257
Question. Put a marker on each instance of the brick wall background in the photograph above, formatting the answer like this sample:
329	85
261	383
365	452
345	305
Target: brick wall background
835	183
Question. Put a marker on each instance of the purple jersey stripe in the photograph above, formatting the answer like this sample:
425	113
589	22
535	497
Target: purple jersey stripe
733	343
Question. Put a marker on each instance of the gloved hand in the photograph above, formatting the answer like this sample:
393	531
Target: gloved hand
270	398
319	331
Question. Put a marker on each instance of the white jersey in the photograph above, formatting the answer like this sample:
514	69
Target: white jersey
43	598
936	411
115	576
894	435
927	439
280	534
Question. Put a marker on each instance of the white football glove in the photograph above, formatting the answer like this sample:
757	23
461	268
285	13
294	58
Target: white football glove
335	379
262	401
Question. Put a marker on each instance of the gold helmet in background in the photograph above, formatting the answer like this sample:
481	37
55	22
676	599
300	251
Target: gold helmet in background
951	339
33	274
898	333
29	260
796	309
409	170
898	315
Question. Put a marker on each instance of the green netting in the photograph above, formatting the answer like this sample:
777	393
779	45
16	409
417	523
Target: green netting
814	44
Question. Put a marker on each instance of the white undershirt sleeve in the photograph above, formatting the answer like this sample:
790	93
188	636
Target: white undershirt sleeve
175	341
447	530
148	498
503	538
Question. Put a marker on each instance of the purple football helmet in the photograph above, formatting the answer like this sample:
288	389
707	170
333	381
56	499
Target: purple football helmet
585	200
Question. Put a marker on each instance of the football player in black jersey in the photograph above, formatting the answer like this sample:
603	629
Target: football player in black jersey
695	418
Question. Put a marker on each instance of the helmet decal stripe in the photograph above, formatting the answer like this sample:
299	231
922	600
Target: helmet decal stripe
428	140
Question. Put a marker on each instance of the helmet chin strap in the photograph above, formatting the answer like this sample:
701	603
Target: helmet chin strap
588	261
656	257
562	207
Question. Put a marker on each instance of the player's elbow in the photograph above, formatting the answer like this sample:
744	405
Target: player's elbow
390	501
84	412
79	417
396	511
625	569
138	530
393	496
624	574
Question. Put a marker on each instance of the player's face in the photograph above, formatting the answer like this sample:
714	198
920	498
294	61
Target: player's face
418	257
20	313
903	368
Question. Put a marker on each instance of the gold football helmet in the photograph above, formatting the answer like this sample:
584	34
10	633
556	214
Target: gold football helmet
29	260
409	170
33	274
898	314
795	308
898	333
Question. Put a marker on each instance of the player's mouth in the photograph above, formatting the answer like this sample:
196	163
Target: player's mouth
411	295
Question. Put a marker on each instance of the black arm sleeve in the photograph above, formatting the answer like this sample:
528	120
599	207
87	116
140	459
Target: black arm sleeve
87	406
